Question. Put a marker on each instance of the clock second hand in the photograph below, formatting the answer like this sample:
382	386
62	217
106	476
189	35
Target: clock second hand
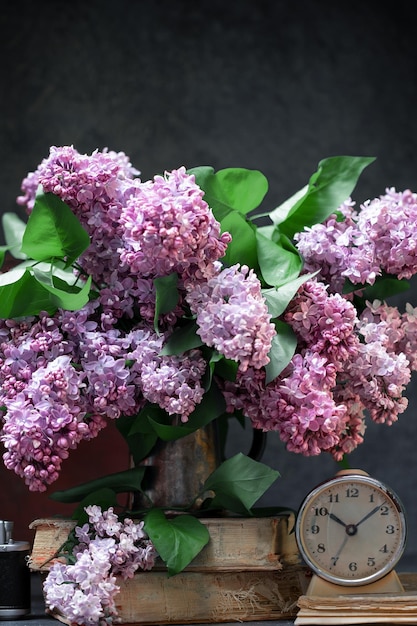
336	556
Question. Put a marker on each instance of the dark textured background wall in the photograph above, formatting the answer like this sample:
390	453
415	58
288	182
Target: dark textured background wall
269	84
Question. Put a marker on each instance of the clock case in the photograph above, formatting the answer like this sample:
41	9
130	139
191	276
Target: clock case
382	581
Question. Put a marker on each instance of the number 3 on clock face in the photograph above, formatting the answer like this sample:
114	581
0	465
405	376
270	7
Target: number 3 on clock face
351	530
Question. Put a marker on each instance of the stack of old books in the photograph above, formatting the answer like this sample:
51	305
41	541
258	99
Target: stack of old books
362	608
249	571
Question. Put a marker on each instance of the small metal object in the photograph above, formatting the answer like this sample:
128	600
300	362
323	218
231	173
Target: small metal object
14	574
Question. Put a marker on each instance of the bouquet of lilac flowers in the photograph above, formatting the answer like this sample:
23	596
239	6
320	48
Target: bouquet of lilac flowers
163	306
84	590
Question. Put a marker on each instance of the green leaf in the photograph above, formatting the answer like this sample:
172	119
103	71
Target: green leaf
177	540
278	265
27	290
278	298
227	369
383	288
242	248
104	498
119	482
238	483
328	188
167	295
3	251
232	188
138	433
64	296
25	296
283	347
13	228
279	214
183	338
210	408
53	231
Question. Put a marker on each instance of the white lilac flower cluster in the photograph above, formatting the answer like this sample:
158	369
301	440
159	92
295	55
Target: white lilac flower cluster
84	591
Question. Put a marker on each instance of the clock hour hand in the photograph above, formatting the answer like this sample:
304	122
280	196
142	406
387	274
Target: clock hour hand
368	515
337	519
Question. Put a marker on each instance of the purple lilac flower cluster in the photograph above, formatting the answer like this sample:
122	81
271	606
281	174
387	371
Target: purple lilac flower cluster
63	376
343	366
364	244
233	317
84	591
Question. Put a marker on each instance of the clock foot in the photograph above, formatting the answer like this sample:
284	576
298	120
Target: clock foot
388	584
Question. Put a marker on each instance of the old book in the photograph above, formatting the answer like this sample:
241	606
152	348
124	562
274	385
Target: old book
265	543
356	606
206	597
249	571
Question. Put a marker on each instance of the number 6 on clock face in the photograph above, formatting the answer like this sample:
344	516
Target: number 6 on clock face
351	530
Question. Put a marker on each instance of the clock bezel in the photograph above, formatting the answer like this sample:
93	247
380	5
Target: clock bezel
389	494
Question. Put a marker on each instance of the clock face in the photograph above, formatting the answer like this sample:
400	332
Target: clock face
351	530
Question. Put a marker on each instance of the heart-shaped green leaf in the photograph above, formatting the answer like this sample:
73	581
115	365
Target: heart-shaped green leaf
231	188
238	483
53	231
278	264
177	540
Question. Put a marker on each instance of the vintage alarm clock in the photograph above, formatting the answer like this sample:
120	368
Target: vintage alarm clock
351	531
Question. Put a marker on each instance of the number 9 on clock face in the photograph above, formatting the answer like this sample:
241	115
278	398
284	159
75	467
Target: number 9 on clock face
351	530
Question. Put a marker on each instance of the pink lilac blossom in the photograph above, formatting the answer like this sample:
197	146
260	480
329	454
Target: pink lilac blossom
232	316
62	379
338	250
343	367
324	322
378	238
105	360
408	343
84	592
388	223
137	229
380	378
111	348
298	404
167	227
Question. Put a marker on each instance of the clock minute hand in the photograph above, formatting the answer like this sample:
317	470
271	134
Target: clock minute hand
368	515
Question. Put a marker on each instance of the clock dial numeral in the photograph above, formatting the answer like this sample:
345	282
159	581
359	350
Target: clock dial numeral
322	511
